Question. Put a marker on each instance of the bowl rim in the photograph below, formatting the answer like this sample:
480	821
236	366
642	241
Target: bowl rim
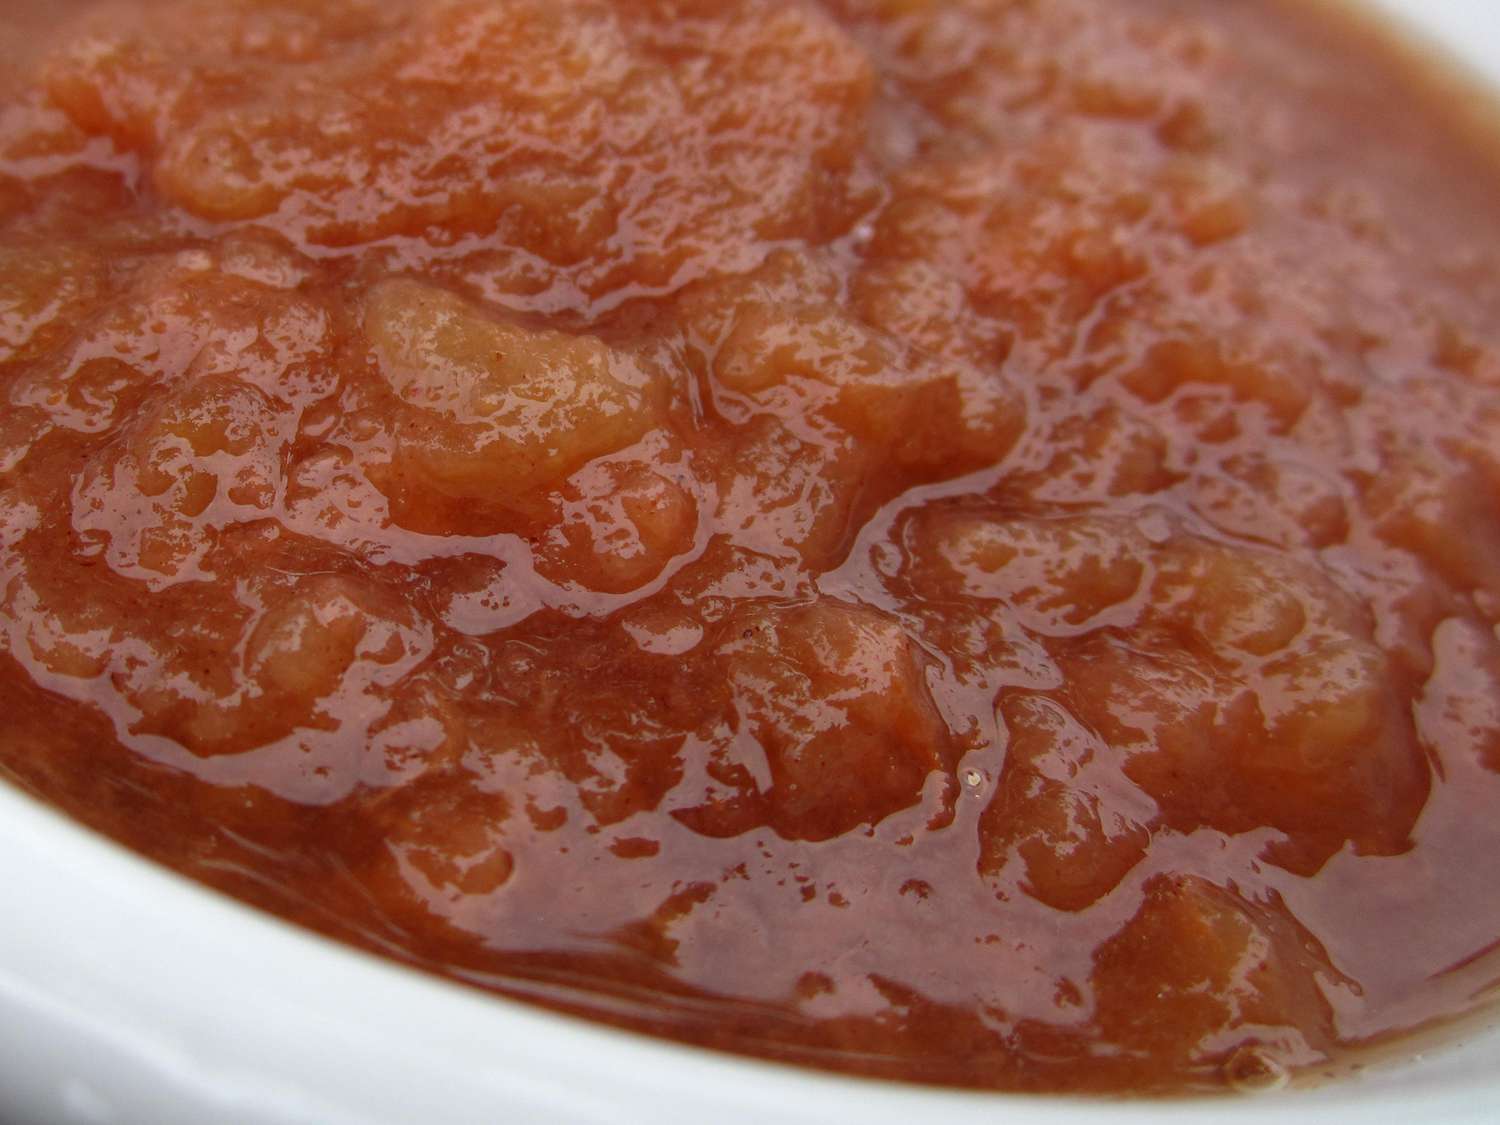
214	1010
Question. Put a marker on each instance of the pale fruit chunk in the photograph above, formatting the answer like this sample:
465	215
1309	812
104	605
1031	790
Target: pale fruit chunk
771	344
208	456
76	638
920	411
1095	457
307	661
1251	694
824	404
303	647
1458	712
1272	500
40	288
925	306
438	849
597	141
1062	807
1244	604
789	491
835	696
183	318
1200	973
1058	576
1279	384
618	525
1038	233
1444	513
493	411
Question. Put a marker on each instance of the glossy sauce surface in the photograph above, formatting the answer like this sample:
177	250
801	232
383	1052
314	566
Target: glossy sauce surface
953	541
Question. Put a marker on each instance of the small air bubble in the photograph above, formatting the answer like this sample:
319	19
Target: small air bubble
1254	1070
972	779
1155	527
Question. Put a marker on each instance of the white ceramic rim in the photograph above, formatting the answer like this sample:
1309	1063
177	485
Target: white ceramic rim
130	995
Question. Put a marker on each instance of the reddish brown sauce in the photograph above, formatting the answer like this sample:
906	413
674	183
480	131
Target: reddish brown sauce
957	541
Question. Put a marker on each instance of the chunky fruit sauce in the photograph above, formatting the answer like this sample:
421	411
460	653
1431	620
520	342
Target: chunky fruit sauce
949	540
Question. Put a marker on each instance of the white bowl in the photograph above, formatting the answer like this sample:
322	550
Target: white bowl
129	995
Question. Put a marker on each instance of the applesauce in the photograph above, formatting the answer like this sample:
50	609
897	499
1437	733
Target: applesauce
950	541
